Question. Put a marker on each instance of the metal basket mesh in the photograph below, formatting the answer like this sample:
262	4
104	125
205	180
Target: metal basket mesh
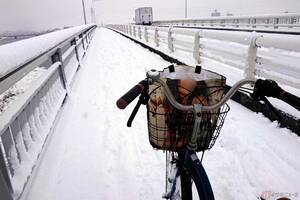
170	129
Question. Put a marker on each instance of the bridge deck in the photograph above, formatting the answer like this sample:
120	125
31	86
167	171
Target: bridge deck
92	155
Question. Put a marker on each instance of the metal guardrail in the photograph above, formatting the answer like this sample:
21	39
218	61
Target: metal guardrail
288	22
27	123
253	53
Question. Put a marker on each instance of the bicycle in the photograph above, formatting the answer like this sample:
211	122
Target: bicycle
199	118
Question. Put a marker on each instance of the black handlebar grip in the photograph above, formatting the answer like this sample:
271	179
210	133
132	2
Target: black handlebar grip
127	98
267	88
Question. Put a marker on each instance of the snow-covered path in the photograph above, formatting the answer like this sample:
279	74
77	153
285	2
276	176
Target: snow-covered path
93	155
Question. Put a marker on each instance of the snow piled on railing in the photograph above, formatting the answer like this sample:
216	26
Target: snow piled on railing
11	94
16	54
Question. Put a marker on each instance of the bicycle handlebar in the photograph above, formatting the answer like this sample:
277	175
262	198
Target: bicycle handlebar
262	88
229	94
154	75
267	88
270	88
133	93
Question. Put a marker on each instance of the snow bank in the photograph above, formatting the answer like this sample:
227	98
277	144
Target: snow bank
14	55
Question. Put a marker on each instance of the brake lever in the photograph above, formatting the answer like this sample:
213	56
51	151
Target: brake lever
143	99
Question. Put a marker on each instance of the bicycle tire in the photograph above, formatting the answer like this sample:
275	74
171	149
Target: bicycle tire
197	173
185	184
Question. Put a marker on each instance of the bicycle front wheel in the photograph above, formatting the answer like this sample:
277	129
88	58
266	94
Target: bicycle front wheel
191	169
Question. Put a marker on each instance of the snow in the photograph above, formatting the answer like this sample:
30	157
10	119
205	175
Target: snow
253	155
32	125
92	155
12	93
15	54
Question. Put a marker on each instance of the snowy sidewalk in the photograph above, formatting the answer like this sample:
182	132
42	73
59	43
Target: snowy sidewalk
92	155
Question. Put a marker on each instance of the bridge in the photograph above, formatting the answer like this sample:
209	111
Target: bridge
62	137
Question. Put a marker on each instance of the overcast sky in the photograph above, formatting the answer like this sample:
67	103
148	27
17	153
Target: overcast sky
46	14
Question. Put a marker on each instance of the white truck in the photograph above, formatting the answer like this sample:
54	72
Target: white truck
143	16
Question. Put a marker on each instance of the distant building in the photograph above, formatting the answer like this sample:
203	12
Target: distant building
216	13
229	14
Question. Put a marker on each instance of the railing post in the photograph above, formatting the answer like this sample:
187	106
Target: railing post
249	22
87	42
290	22
237	23
74	42
82	40
254	23
130	30
88	36
275	22
267	23
5	194
170	40
134	32
57	57
156	40
146	34
139	32
6	190
196	52
250	71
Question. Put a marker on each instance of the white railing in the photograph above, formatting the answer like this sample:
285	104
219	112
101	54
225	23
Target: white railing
289	22
263	55
27	122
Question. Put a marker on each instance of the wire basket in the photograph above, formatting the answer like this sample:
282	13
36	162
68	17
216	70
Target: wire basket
171	129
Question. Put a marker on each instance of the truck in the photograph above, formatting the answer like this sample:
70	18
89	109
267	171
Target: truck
143	16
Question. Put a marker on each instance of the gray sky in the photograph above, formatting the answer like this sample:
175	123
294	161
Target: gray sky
46	14
118	11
